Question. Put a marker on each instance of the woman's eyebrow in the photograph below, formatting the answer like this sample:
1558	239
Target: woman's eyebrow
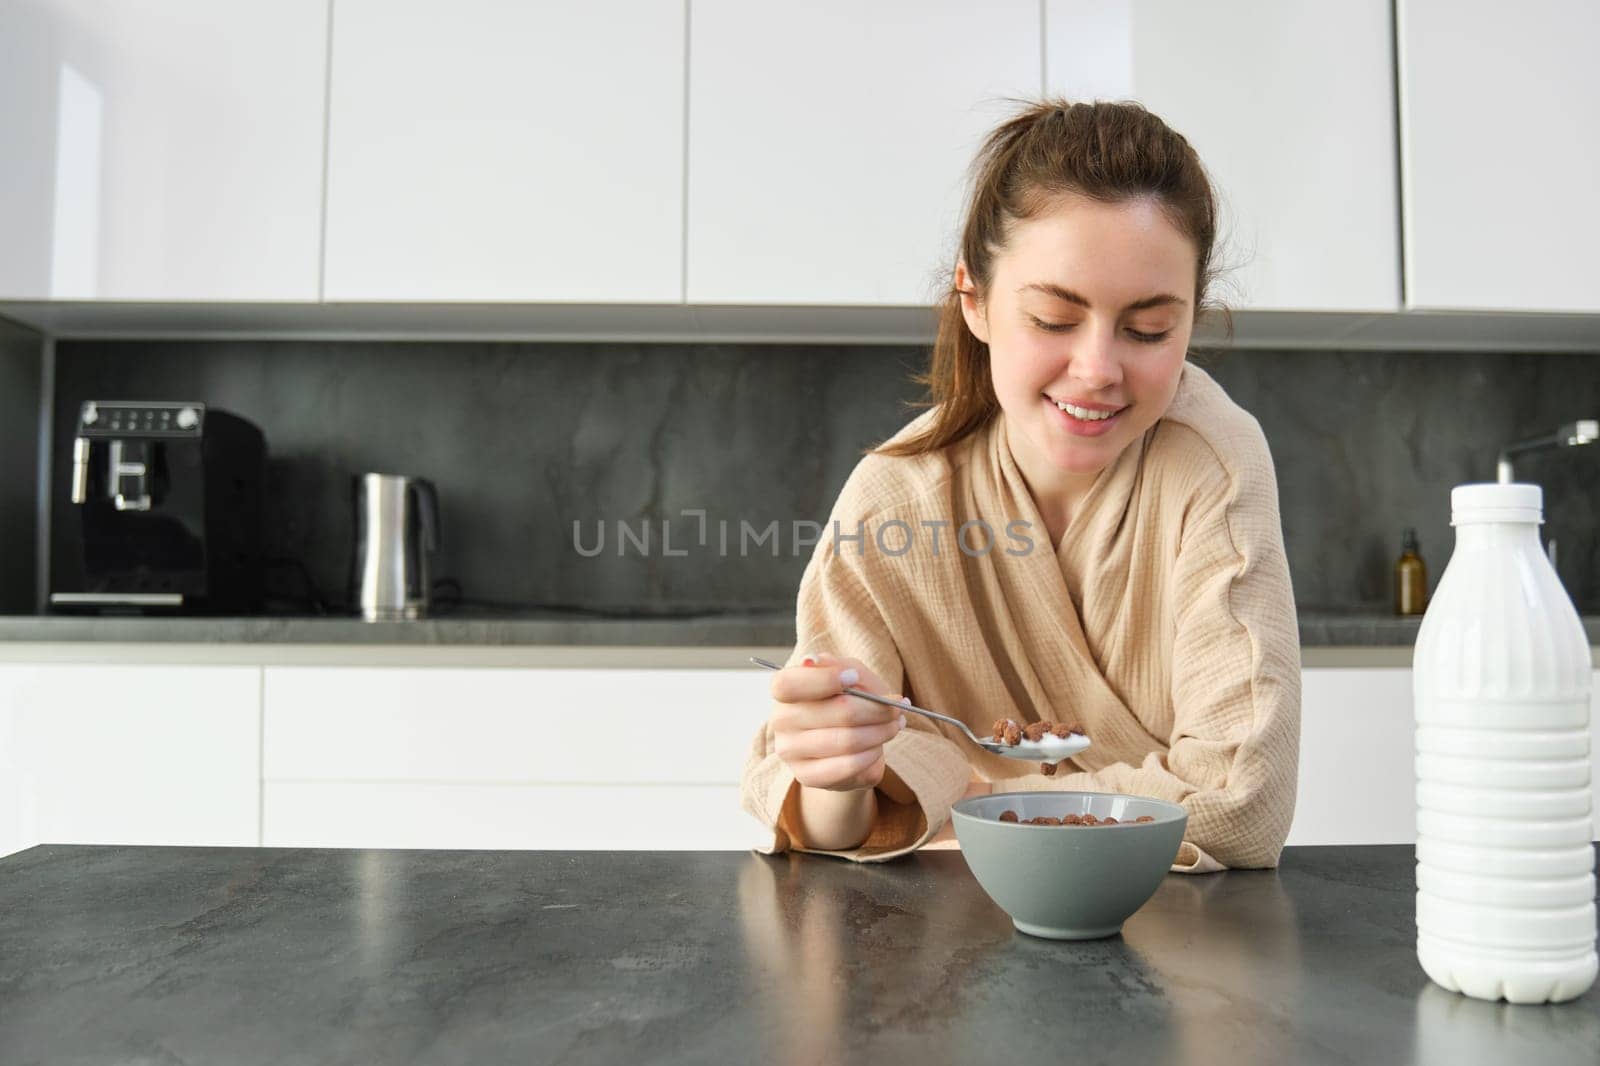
1061	292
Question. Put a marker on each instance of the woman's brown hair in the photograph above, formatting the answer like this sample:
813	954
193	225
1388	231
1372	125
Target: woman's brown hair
1110	152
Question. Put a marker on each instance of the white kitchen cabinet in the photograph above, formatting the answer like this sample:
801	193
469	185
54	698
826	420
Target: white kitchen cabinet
16	811
161	149
1290	106
829	141
485	151
477	757
521	816
130	754
1500	146
1356	784
508	758
1357	774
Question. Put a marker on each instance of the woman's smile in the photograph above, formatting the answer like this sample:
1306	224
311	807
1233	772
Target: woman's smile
1083	419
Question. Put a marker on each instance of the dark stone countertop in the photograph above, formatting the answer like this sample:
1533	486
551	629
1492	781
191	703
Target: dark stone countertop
1319	627
188	955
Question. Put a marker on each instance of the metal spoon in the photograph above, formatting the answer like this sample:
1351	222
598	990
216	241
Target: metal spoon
1049	749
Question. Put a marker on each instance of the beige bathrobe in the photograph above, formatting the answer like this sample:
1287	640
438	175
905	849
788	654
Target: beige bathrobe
1163	622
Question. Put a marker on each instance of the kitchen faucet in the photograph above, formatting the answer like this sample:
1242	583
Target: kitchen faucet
1570	435
1583	431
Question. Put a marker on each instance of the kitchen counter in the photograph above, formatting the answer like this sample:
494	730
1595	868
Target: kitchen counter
159	954
1318	628
763	628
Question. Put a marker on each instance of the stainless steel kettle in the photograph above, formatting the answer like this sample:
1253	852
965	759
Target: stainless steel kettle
397	526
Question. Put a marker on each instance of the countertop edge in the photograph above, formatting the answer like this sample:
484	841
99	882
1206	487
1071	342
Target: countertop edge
507	656
1327	638
537	656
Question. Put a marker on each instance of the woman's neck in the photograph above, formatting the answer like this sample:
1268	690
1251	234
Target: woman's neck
1056	493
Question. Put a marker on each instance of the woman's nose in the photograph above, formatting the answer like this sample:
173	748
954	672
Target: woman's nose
1095	362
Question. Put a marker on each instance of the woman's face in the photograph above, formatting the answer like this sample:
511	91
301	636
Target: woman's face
1087	319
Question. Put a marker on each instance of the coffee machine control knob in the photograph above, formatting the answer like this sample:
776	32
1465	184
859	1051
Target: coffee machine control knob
187	418
91	414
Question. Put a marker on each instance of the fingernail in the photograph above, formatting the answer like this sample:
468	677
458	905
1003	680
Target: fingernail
849	675
902	721
906	700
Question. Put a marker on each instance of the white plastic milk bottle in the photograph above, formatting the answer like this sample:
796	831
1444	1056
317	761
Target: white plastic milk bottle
1505	864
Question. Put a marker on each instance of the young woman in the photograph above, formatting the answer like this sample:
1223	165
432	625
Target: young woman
1082	528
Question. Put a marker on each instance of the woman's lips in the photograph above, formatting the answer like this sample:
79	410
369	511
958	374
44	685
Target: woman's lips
1080	427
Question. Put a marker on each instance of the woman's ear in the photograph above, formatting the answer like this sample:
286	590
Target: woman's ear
972	305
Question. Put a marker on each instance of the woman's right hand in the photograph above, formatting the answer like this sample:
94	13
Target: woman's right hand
830	740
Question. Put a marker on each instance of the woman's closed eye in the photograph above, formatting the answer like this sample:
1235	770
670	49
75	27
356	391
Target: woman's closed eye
1148	338
1141	336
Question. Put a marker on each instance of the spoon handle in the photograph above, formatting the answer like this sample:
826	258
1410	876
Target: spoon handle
863	694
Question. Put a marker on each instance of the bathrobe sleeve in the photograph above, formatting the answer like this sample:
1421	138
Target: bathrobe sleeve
841	612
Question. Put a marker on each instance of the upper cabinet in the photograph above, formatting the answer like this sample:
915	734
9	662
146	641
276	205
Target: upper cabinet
829	142
1500	135
486	151
1290	106
161	149
756	165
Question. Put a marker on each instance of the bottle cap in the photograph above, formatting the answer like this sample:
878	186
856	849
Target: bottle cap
1408	541
1494	502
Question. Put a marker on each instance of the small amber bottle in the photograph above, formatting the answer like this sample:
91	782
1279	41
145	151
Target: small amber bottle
1410	578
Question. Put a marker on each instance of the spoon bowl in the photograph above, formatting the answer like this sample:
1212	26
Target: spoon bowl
1046	749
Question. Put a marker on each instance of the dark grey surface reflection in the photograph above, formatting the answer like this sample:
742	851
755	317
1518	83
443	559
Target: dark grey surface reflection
1453	1030
124	954
912	959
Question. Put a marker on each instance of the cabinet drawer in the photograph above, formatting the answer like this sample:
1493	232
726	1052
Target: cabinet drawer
1357	774
131	754
1356	781
556	817
514	726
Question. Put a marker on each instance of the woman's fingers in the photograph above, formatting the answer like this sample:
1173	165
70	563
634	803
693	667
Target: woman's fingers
826	677
863	769
827	743
836	712
828	738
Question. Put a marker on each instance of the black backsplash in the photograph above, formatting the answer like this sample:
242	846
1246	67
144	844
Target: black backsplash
21	378
524	440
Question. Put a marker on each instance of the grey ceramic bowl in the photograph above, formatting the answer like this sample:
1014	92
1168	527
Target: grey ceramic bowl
1069	882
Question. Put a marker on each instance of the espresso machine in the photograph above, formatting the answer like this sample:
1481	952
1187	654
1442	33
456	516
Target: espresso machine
165	512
